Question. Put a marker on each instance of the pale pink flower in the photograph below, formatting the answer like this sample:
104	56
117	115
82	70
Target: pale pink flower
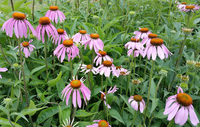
143	33
62	35
137	103
147	40
181	6
122	71
45	27
76	86
134	44
69	123
81	36
69	47
156	48
27	48
190	8
94	42
180	106
87	68
106	68
101	123
2	70
136	52
19	24
101	55
54	14
103	94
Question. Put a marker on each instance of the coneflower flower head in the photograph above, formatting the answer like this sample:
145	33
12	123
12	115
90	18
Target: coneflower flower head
53	13
102	55
60	37
137	103
19	24
81	36
100	123
147	40
143	33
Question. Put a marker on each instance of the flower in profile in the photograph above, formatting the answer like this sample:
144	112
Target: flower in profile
100	123
87	68
184	86
189	8
45	27
134	44
101	55
137	103
76	86
103	94
3	70
143	33
81	36
185	78
27	48
69	47
179	106
147	40
136	52
19	24
181	6
197	65
122	71
62	35
136	81
156	48
106	68
54	14
68	124
94	42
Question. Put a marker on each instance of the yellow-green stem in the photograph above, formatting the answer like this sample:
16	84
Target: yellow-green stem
45	53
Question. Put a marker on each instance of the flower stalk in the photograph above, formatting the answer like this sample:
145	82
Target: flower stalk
45	53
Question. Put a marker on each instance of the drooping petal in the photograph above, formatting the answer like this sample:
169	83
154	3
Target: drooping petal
193	117
185	117
78	98
74	98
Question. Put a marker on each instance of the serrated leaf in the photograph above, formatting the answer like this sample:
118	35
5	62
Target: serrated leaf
53	82
83	113
116	115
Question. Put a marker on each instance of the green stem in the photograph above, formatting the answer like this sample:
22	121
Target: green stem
190	90
160	12
106	97
145	68
134	67
151	73
11	1
134	117
87	14
101	82
121	89
45	53
91	69
71	68
54	55
9	116
139	64
29	63
33	9
81	54
127	12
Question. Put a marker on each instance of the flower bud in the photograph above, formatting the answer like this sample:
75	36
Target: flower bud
131	12
163	72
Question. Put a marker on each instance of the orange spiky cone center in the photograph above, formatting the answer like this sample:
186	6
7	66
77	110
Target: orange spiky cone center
89	66
25	44
156	41
144	30
19	15
184	99
53	8
103	53
190	7
138	98
68	42
102	96
44	20
103	123
118	67
94	36
184	3
107	63
75	84
60	31
152	35
82	31
135	40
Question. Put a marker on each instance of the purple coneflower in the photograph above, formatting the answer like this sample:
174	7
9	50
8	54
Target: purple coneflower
101	55
45	27
106	68
19	23
122	71
181	6
3	70
147	40
54	14
101	123
143	33
156	48
87	68
27	47
62	35
134	44
137	103
136	52
68	124
184	102
76	86
103	94
69	47
81	36
94	42
188	8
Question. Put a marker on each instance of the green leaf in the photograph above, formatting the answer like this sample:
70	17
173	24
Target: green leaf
116	115
6	122
154	104
73	27
111	23
18	4
171	123
53	82
3	109
19	114
83	113
195	97
129	106
32	106
37	69
65	114
109	98
160	114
